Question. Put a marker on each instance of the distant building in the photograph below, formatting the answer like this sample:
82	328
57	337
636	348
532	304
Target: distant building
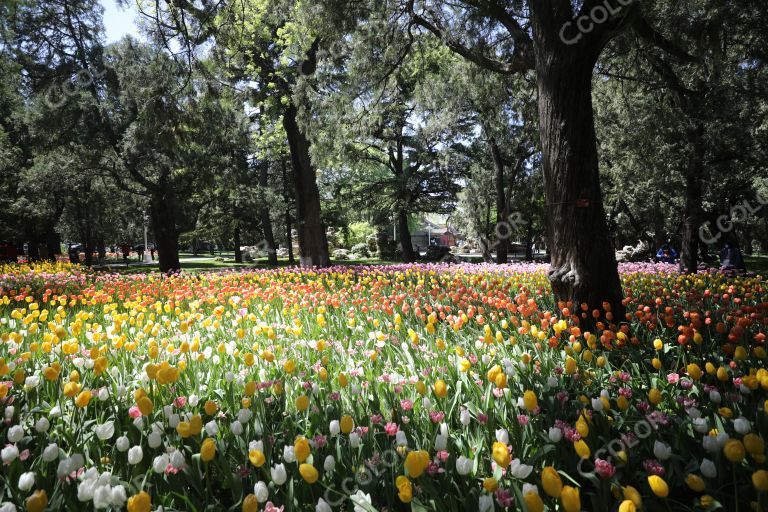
431	233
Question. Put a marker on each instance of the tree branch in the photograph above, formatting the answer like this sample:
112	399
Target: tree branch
522	59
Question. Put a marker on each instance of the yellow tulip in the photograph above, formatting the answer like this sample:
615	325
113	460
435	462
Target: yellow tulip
39	500
441	389
570	499
308	473
551	481
141	502
257	458
347	424
250	503
416	462
302	403
530	400
695	482
501	454
760	480
533	502
734	450
490	484
301	449
658	486
208	450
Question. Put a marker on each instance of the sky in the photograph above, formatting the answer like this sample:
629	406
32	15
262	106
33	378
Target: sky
118	22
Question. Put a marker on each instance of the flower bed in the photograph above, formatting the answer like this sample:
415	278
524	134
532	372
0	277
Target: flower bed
437	387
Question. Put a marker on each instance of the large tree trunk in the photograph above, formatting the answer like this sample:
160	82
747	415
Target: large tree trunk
583	267
502	230
689	252
529	242
163	214
313	244
238	251
409	255
266	220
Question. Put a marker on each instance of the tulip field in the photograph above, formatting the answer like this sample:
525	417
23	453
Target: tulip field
409	387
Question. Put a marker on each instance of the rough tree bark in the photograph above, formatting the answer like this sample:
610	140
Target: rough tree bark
236	236
266	220
502	211
409	255
689	250
163	216
313	244
583	262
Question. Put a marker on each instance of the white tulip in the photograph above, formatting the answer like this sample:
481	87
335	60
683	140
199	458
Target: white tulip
15	434
464	417
400	438
361	501
441	442
742	425
329	463
261	491
519	470
122	444
555	434
51	452
119	496
160	462
700	425
354	439
7	506
135	454
464	465
708	468
177	459
154	440
42	425
104	394
85	489
9	454
211	428
102	497
485	504
322	506
105	430
597	404
715	397
334	428
244	416
26	481
279	475
289	454
662	451
710	444
502	436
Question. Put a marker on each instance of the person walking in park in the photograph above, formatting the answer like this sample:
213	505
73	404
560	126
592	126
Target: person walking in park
126	250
